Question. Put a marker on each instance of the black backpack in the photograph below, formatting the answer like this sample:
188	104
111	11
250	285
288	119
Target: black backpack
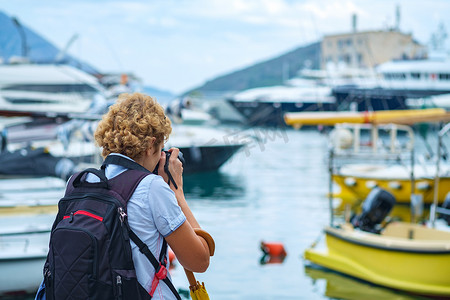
89	252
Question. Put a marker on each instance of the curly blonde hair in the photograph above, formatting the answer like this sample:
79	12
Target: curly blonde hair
130	124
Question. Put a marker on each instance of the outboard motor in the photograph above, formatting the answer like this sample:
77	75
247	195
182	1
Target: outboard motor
446	205
375	208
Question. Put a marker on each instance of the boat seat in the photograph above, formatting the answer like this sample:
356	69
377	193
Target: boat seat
414	231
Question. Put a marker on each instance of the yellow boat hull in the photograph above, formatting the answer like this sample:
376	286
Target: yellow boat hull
413	265
361	187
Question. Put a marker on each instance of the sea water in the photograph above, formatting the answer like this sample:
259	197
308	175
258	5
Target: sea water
273	190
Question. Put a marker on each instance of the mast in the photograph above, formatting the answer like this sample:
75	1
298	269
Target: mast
23	37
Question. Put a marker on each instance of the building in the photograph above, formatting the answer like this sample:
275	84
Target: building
368	49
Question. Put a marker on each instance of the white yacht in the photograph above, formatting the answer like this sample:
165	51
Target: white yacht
267	105
398	81
46	88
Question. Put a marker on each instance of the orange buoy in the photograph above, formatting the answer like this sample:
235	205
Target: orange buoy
273	249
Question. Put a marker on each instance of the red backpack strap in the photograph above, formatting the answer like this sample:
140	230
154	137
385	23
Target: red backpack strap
160	266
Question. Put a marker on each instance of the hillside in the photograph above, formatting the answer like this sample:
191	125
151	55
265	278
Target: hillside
266	73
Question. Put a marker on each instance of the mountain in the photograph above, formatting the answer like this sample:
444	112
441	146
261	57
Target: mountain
267	73
162	96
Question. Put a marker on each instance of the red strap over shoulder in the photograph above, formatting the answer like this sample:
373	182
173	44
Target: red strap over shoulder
159	275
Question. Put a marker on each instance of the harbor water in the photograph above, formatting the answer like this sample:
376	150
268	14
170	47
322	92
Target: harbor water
274	190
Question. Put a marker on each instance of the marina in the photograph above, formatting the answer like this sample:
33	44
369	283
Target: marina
322	173
260	199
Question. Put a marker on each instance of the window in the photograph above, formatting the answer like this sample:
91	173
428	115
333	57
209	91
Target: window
347	58
395	76
444	76
360	58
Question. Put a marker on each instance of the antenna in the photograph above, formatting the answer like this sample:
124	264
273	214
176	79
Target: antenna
397	18
59	57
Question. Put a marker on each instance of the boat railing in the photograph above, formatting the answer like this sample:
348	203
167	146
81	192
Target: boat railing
443	211
434	207
385	143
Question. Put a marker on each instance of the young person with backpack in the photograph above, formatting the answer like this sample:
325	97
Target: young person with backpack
114	225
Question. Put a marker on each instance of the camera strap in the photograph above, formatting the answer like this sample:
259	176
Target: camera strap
124	162
166	169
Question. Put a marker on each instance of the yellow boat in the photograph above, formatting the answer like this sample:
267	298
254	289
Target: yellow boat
404	256
387	164
357	180
355	183
371	156
398	255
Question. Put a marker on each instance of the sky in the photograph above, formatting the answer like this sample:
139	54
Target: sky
176	45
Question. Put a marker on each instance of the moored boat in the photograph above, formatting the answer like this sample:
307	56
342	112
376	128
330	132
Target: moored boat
267	105
23	250
60	149
378	149
204	148
47	88
400	80
368	243
404	256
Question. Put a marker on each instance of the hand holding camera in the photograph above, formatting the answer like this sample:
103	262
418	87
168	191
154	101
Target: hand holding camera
170	167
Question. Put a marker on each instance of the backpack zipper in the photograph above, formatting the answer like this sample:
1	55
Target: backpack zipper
82	212
103	198
125	227
122	214
48	290
119	286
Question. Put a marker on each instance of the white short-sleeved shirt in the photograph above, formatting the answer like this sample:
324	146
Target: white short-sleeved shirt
153	213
